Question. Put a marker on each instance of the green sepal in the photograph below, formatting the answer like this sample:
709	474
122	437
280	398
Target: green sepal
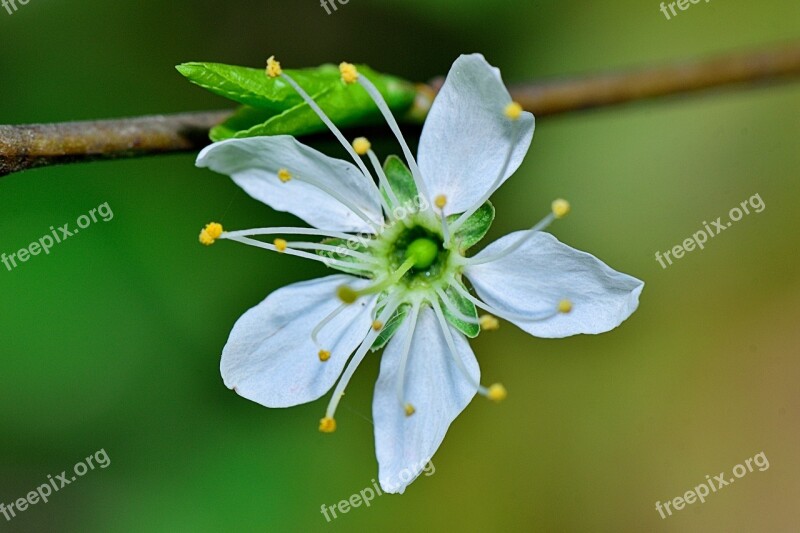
390	328
475	227
402	182
273	107
466	307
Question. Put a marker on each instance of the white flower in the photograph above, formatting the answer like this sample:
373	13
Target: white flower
402	285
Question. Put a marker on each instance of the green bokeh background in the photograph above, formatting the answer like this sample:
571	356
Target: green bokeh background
113	340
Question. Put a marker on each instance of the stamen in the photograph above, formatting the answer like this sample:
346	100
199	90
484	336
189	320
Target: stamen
327	425
343	200
559	210
489	323
377	325
273	67
280	245
291	231
299	253
304	245
210	233
349	72
513	111
284	175
440	202
331	126
362	146
383	180
387	114
448	337
542	315
338	392
495	185
564	306
497	393
349	295
448	303
401	369
324	355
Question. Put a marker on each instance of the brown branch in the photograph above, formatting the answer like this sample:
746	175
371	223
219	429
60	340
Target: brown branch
37	145
29	146
560	96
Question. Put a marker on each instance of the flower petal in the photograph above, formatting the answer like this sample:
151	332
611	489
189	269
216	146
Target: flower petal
541	273
254	163
433	385
270	357
467	137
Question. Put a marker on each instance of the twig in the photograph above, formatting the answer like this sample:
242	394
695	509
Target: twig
37	145
29	146
560	96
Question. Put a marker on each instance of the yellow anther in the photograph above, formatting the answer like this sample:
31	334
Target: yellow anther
513	111
284	175
564	306
349	72
497	393
409	409
324	355
273	67
210	233
361	145
560	208
489	323
327	425
346	294
440	201
377	325
280	245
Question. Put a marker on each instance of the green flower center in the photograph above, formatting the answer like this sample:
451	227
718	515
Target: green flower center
424	251
425	248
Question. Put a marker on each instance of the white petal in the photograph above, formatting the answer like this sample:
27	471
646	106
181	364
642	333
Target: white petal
270	358
433	385
541	273
254	162
467	137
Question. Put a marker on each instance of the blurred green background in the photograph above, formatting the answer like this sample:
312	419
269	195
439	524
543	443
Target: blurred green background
113	340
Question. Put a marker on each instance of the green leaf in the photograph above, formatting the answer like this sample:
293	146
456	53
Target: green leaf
475	227
466	307
243	118
252	87
390	328
273	107
255	122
